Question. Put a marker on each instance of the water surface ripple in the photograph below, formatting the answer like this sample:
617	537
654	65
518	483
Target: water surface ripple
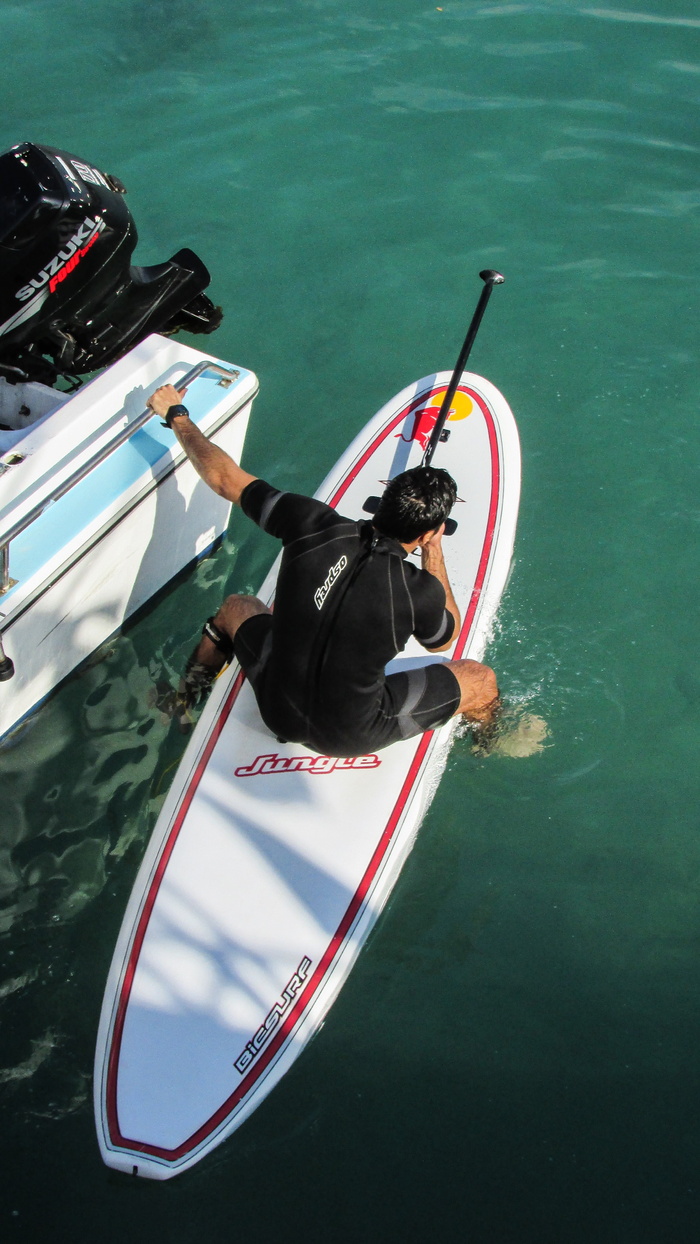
514	1058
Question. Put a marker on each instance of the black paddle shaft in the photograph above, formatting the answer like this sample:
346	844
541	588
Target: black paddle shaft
490	278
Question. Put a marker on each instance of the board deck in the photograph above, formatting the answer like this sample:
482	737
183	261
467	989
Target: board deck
269	864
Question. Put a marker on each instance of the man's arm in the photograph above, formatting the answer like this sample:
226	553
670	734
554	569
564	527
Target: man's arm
214	465
434	562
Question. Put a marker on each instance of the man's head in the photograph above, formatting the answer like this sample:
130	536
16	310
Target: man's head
415	502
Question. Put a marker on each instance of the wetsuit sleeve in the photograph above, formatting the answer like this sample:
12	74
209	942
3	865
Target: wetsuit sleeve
285	515
434	623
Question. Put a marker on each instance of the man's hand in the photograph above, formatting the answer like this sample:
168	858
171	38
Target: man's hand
214	465
432	557
433	541
165	397
436	537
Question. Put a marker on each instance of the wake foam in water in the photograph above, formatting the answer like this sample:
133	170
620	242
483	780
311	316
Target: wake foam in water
518	734
561	696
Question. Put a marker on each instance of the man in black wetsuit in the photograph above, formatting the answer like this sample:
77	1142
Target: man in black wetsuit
346	603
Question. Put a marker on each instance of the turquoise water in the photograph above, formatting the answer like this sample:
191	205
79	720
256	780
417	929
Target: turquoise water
515	1055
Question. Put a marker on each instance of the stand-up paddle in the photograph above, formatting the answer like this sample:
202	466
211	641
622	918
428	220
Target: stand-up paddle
490	278
269	864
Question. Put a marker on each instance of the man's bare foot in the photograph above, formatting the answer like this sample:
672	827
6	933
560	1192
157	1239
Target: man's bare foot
179	705
515	734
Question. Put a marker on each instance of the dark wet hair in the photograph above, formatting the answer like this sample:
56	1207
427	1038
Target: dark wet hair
414	502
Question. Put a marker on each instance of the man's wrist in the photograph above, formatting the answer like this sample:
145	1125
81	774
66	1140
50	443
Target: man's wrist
176	411
432	559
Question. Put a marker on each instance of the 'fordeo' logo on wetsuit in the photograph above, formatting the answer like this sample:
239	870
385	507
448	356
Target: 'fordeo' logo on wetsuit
272	763
334	573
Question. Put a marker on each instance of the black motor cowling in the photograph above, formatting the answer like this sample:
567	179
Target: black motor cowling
70	301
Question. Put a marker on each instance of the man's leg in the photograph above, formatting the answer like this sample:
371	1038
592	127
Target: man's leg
480	700
214	650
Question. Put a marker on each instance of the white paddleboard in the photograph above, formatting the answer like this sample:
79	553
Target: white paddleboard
269	864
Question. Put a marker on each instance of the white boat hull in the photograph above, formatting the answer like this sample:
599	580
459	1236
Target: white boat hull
157	517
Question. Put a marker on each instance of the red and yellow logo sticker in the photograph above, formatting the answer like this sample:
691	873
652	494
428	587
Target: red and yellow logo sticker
425	419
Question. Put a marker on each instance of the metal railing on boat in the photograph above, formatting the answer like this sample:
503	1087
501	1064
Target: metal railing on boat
227	374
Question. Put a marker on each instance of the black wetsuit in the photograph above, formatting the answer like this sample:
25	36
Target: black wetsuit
346	603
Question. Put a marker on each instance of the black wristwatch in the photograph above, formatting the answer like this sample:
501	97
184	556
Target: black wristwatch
172	413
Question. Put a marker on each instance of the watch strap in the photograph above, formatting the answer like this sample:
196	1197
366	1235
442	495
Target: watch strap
173	412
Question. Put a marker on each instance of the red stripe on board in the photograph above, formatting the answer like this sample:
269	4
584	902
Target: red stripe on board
314	982
490	529
145	916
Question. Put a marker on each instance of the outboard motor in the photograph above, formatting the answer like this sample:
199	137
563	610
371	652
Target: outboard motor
70	301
